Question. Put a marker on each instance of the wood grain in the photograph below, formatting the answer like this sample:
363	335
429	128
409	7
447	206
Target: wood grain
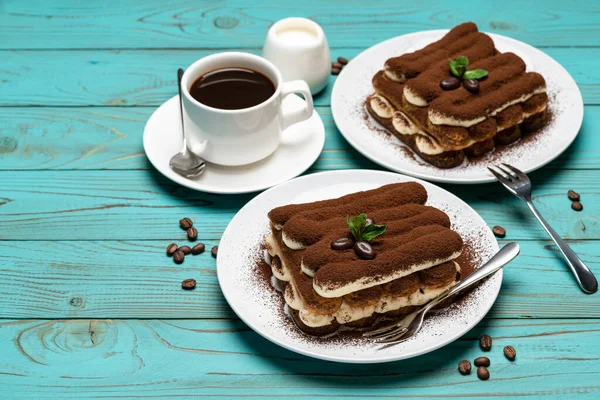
238	23
142	204
147	77
66	138
224	359
135	279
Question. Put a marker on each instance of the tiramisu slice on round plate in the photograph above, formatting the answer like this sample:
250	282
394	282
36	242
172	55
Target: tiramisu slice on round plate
352	260
458	97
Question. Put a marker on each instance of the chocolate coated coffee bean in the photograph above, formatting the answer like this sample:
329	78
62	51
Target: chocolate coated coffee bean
172	248
577	206
483	373
464	367
335	71
472	85
192	233
450	83
482	362
485	342
510	353
364	250
178	257
342	60
573	195
185	223
342	244
188	284
337	65
185	250
499	231
214	251
197	249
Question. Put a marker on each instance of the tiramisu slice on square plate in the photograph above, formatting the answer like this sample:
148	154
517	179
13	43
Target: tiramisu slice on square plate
458	97
353	260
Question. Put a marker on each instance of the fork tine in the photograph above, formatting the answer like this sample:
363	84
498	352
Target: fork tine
510	174
393	338
519	173
500	177
385	335
377	332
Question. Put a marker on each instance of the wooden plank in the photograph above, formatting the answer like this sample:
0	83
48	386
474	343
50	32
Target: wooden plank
223	359
139	204
239	23
147	77
110	138
135	279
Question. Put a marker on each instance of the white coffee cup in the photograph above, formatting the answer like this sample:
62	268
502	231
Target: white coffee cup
247	135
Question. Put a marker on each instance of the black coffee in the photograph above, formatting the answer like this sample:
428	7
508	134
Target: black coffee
232	88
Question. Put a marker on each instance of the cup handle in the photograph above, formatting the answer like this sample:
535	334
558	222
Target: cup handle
292	117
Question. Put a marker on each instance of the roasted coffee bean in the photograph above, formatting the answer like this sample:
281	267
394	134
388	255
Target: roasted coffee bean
192	233
364	250
450	83
464	367
342	60
483	373
188	284
472	85
573	195
214	251
335	71
369	221
482	362
185	250
510	353
197	249
343	243
577	206
172	248
178	257
337	65
485	342
499	231
185	223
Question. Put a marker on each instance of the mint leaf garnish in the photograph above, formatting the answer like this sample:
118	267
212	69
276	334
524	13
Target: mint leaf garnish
351	226
462	60
453	68
372	231
475	74
363	232
459	69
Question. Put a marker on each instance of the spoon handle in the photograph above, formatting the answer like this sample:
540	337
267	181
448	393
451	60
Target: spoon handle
179	76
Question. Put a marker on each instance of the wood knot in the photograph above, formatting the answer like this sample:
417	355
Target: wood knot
502	26
76	302
226	22
7	145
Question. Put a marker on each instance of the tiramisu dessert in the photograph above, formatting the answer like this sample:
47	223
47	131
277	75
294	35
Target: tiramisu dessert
458	97
353	260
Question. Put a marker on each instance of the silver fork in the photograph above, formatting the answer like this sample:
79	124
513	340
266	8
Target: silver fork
519	184
412	323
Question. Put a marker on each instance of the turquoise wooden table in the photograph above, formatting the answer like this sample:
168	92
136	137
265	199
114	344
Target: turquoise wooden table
90	306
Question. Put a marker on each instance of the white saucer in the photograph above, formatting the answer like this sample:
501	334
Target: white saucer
300	147
353	86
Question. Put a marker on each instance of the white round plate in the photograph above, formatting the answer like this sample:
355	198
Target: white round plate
353	85
260	306
300	147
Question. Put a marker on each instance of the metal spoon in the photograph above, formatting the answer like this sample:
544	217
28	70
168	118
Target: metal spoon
185	163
